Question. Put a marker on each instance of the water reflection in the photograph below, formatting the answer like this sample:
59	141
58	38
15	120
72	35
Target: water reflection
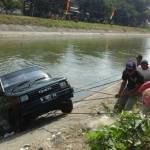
85	62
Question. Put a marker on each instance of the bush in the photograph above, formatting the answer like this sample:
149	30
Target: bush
130	132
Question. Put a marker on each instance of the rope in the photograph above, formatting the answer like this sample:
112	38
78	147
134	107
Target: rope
101	92
97	86
107	78
94	99
104	84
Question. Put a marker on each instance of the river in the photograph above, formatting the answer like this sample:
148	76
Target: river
86	62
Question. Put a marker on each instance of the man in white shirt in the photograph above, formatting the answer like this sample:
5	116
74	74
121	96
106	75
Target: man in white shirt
144	70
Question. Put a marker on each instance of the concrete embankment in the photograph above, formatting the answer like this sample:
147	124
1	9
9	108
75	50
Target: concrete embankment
14	31
65	132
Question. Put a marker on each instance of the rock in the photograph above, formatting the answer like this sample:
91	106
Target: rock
57	138
48	139
41	148
25	147
53	137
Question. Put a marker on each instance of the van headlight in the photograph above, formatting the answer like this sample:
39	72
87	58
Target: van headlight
63	84
24	98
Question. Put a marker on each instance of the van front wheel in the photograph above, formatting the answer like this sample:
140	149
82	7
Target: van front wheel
67	106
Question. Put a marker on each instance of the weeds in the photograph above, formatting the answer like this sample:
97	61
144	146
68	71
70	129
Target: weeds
130	132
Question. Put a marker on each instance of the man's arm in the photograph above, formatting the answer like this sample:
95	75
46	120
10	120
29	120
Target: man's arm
122	86
133	91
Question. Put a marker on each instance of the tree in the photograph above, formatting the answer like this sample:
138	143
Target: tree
97	9
11	5
127	12
40	8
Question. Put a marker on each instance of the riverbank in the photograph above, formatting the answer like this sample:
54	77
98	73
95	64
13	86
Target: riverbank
12	26
60	132
27	31
48	24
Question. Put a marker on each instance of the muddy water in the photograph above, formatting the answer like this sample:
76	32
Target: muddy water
85	62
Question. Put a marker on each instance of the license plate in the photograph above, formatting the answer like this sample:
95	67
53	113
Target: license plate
47	98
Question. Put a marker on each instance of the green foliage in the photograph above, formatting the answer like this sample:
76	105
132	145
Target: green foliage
11	5
130	132
128	12
43	8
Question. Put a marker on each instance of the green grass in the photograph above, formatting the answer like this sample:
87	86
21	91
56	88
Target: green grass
23	20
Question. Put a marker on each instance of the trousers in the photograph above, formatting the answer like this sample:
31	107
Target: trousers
125	103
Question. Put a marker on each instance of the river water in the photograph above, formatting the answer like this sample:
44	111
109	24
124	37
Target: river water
86	63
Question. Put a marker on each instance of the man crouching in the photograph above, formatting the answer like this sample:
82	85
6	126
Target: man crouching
128	93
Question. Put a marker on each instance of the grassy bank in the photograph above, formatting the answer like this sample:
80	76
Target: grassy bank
23	20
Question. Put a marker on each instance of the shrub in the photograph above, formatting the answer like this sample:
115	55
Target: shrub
130	132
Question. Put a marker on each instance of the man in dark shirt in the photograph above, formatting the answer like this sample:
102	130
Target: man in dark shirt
131	81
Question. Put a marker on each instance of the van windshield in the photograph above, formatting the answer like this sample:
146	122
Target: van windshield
14	78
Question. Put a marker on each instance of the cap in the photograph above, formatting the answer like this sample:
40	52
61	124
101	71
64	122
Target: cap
144	62
131	65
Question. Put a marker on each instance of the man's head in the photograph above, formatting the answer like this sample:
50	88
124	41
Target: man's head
130	67
144	64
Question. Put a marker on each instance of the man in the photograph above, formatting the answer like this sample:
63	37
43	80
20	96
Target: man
145	90
146	101
131	81
144	70
139	59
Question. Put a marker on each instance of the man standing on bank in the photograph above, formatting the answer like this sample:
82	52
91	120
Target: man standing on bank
128	93
144	69
139	59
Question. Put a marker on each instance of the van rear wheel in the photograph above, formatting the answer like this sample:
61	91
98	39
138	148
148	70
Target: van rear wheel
67	106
